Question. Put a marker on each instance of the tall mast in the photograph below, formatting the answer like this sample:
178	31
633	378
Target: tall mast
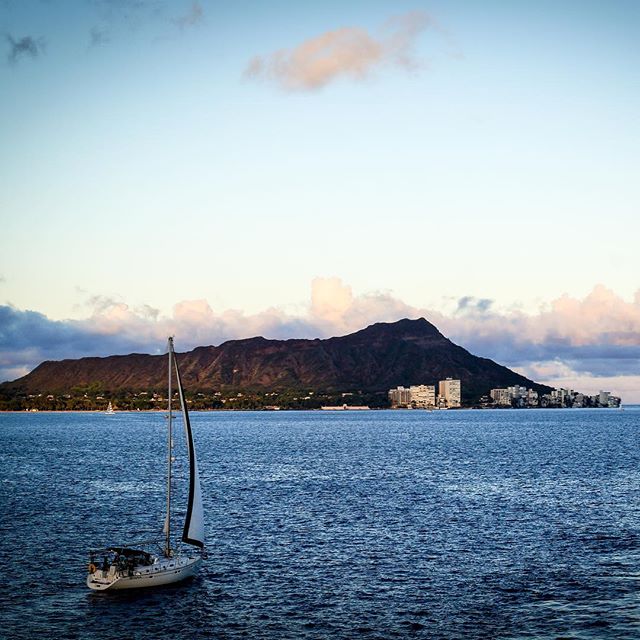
167	546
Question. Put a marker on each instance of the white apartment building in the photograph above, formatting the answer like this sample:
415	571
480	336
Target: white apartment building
423	396
559	396
603	398
523	397
501	397
449	391
531	398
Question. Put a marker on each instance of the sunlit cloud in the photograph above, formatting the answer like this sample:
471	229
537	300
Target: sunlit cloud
625	387
593	341
347	52
588	333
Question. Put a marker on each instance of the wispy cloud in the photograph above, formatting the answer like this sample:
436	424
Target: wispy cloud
134	13
191	18
583	343
469	304
98	37
25	47
350	52
120	19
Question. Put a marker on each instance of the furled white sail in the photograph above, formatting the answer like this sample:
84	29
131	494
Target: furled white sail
193	532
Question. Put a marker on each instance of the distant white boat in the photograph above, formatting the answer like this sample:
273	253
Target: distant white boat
345	407
133	566
109	411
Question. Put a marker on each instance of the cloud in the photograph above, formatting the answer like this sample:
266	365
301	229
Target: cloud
31	335
24	47
625	387
349	52
335	310
192	17
121	18
582	343
590	333
469	303
98	37
132	12
118	19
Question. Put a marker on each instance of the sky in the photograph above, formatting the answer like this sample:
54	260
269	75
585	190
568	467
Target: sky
224	170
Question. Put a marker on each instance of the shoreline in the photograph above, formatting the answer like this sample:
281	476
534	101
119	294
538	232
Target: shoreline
338	411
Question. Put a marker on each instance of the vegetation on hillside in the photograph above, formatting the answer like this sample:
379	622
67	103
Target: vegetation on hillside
95	397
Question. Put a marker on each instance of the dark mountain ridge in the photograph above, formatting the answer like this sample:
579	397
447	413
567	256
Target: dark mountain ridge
377	358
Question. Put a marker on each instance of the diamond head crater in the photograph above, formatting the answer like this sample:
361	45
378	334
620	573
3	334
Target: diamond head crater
358	369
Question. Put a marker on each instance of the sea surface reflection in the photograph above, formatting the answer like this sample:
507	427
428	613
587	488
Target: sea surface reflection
465	524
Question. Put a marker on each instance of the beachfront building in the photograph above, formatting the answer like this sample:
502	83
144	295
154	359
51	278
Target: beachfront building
516	396
501	397
523	397
578	401
516	392
532	398
400	397
449	392
603	398
422	396
418	396
561	398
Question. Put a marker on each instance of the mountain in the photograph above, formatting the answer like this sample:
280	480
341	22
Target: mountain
382	356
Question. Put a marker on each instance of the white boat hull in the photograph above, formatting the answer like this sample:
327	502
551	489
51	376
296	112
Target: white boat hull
164	571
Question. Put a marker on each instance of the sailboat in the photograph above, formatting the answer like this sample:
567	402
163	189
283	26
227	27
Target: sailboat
110	411
133	566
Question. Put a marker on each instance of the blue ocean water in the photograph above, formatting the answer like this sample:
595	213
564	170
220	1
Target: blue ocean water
377	524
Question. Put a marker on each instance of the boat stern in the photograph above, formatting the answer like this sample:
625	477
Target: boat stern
99	580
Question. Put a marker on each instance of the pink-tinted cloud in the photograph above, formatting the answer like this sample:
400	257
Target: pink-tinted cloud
347	52
625	387
601	324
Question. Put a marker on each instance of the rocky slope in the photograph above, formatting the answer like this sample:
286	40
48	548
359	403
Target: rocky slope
377	358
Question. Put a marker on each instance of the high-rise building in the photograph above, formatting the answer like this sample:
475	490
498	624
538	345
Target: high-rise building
517	391
400	397
501	397
423	396
449	390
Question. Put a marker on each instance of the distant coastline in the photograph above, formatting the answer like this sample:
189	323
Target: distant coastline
359	369
338	411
